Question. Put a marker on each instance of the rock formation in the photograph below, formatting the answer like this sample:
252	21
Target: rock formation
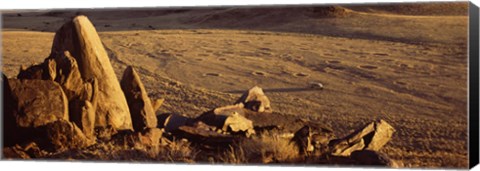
373	136
141	109
80	38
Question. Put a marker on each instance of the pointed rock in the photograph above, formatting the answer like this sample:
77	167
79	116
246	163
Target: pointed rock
83	115
157	104
141	110
256	100
38	102
80	38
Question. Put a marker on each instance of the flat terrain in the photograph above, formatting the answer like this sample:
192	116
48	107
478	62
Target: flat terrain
410	70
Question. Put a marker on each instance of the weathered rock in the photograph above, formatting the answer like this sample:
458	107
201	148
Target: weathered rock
157	104
38	72
38	102
303	140
345	149
171	122
313	138
229	119
67	74
64	135
141	109
254	99
373	136
373	158
80	38
204	137
83	115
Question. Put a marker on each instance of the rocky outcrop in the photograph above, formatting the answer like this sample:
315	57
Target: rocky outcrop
141	109
80	38
256	100
38	102
373	136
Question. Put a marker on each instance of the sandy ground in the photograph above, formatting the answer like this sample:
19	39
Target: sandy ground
409	70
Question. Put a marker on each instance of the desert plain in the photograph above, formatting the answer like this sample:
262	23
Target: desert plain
405	64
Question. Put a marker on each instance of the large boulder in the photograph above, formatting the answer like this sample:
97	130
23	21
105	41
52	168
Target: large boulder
256	100
37	102
80	38
141	109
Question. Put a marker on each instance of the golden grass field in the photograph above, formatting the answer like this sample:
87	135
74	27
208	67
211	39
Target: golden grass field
404	64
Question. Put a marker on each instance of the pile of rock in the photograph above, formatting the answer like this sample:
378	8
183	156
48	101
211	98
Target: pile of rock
60	102
73	100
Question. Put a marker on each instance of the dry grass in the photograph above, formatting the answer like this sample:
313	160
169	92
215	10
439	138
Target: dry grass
263	149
